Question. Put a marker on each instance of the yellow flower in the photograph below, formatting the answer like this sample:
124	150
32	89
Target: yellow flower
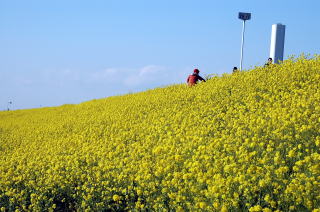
224	208
116	197
256	208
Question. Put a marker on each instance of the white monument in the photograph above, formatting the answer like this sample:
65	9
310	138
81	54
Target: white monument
277	42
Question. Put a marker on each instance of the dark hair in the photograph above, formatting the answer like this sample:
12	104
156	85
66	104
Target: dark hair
269	58
235	67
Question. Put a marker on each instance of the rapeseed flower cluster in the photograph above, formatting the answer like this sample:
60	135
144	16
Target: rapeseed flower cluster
246	141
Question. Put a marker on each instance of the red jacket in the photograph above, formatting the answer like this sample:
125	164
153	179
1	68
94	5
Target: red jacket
193	79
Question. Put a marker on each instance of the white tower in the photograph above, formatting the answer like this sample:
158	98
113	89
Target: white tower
277	42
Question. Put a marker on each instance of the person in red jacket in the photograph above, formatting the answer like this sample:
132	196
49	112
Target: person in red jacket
194	78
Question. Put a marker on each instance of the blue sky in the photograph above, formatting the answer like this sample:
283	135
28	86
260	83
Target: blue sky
70	51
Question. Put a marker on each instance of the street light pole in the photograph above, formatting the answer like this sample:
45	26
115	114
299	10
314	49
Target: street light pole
242	43
243	17
9	103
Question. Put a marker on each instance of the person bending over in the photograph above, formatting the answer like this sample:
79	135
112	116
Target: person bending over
194	78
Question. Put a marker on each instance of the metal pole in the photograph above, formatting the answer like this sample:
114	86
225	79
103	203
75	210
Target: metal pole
242	43
9	103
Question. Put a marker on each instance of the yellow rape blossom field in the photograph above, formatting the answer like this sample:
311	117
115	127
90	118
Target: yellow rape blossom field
248	141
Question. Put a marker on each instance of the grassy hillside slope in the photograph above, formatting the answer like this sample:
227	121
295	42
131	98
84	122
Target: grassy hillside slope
244	141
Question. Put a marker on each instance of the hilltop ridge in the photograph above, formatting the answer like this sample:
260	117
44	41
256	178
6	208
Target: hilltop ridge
243	141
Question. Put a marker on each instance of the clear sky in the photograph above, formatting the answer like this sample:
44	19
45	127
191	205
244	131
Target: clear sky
55	52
